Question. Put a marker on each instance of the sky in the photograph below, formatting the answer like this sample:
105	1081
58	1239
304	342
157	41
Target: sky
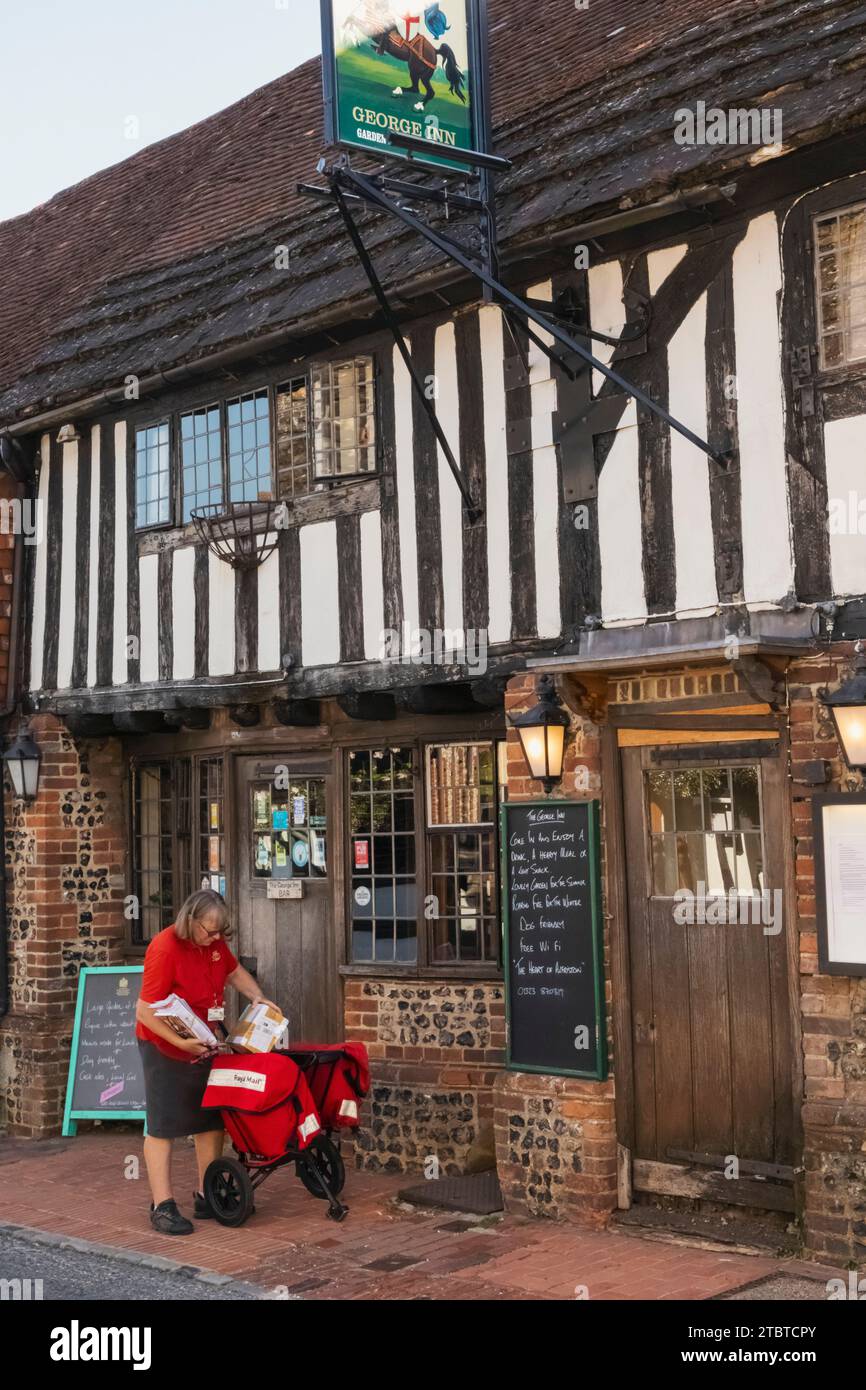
86	83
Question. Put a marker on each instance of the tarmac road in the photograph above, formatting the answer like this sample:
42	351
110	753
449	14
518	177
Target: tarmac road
73	1275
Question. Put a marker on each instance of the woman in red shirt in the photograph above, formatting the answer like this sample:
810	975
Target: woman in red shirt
190	959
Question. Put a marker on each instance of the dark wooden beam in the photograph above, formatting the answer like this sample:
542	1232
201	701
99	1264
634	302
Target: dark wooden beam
197	719
368	706
140	722
245	716
90	725
303	714
441	699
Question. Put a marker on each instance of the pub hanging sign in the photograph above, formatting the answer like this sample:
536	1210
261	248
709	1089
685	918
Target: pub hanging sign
407	69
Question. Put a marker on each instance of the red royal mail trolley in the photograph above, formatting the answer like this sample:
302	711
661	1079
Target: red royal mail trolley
282	1108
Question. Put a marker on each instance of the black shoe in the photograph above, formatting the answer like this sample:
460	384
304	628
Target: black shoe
168	1221
201	1210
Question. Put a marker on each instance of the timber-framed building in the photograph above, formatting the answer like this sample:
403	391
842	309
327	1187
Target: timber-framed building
183	330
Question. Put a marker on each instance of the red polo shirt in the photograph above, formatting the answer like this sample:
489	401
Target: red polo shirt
196	973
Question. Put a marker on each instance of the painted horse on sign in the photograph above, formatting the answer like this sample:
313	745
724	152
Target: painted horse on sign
373	19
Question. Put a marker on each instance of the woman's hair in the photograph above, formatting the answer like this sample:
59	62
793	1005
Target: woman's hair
204	903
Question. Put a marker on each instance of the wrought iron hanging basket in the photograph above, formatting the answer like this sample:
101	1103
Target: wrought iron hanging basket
243	534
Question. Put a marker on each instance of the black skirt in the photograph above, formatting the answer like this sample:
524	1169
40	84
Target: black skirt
173	1091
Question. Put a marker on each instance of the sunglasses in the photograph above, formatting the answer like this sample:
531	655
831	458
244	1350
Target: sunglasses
210	934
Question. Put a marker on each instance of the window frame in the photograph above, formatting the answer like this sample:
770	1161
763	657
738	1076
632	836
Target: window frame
332	365
184	865
141	428
246	385
856	364
425	966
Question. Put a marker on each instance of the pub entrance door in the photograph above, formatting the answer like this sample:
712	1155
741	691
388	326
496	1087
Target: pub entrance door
711	1020
285	821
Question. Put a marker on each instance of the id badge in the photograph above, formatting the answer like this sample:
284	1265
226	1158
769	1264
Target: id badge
216	1015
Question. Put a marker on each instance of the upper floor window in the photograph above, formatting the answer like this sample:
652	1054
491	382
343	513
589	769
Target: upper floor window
293	438
152	476
201	459
840	240
249	435
324	426
344	422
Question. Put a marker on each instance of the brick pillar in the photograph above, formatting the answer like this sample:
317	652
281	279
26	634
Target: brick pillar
555	1136
65	876
833	1006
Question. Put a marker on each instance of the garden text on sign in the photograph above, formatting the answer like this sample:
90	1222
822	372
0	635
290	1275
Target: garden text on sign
401	69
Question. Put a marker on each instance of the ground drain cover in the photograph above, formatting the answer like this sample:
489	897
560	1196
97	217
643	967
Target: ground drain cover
389	1264
478	1193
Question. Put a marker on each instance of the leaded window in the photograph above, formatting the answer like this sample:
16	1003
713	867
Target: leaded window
461	814
178	837
152	476
706	830
840	241
293	438
343	418
201	458
248	420
382	864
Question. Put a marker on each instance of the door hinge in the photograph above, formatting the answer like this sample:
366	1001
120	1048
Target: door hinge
801	378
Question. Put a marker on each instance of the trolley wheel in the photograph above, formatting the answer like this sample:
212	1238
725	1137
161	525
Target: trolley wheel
330	1165
228	1191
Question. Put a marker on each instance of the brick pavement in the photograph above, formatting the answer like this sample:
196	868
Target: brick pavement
86	1187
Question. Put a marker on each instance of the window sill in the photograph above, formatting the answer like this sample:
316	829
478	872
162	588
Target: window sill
483	974
348	498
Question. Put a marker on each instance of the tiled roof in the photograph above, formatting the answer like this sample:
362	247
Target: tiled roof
170	254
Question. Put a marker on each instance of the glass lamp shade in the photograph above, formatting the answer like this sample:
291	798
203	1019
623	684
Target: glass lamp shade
544	748
850	721
848	708
22	758
542	736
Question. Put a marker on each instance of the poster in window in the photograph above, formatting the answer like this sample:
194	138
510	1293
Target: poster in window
412	70
214	815
261	809
299	810
362	854
213	852
280	818
263	854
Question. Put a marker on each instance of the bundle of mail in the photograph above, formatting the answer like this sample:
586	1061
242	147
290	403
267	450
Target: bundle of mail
180	1017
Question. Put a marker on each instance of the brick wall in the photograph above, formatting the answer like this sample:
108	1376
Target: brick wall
65	861
833	1007
435	1049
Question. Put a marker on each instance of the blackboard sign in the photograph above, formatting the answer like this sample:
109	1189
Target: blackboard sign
105	1076
553	950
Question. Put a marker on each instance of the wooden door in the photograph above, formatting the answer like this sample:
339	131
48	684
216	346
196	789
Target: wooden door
710	1005
286	842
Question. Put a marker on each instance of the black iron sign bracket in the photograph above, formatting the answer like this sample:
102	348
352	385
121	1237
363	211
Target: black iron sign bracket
348	186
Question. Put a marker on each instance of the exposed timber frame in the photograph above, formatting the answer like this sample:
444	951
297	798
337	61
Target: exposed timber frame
348	185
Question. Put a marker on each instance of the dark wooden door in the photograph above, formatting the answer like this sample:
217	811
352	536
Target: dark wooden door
286	842
711	1014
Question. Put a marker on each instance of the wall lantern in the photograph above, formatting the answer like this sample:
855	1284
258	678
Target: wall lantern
542	734
848	708
22	758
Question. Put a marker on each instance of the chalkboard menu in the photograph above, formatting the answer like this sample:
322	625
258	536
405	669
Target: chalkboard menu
554	960
105	1076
